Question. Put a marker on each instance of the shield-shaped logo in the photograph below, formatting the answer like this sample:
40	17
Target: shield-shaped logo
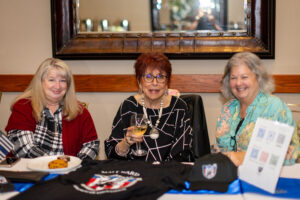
100	184
209	171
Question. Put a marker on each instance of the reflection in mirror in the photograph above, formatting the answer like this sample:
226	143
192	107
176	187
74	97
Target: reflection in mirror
162	15
115	14
199	15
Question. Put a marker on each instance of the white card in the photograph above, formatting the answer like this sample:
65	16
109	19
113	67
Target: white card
266	153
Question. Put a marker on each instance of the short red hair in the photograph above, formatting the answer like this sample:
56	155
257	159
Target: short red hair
153	61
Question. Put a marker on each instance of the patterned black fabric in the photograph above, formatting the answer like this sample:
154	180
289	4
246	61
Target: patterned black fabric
174	142
47	138
113	180
5	145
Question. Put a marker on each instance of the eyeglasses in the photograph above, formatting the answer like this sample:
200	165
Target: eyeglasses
159	78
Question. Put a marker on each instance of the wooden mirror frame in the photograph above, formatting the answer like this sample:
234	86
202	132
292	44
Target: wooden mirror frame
67	44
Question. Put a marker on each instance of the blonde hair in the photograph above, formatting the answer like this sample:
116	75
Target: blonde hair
35	92
253	62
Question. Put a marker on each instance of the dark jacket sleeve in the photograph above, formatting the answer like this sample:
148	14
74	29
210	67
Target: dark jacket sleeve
117	134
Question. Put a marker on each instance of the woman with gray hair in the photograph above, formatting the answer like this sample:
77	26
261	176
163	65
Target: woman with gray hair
249	86
47	118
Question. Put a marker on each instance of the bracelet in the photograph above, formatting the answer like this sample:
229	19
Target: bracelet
119	153
126	141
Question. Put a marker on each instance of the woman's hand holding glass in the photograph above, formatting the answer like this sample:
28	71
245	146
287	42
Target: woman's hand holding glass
134	134
139	125
131	137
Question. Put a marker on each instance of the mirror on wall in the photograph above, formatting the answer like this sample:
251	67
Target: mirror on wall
162	15
182	29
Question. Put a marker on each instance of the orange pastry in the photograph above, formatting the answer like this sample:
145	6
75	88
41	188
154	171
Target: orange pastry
58	163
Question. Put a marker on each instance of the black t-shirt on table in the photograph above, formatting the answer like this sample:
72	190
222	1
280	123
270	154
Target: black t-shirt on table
112	179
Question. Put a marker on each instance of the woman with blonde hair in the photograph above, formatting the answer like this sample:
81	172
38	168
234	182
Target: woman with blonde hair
47	118
248	86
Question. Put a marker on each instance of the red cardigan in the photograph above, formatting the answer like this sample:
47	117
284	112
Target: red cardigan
74	133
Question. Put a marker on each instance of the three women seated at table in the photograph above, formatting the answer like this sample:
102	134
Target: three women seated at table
249	86
47	119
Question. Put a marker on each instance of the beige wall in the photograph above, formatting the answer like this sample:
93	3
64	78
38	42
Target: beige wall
26	40
236	11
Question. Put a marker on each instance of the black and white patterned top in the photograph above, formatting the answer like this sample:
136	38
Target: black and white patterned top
47	138
175	138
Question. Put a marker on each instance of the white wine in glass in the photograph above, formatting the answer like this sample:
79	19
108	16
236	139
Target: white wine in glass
140	130
140	127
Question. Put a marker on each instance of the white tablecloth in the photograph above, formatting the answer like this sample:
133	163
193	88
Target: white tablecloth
19	166
287	171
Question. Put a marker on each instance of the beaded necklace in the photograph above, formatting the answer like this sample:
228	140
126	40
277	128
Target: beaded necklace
154	134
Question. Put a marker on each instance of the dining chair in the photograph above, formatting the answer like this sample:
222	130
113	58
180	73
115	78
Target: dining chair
201	145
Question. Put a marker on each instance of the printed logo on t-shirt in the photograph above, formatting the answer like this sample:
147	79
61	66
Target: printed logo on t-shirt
209	171
100	184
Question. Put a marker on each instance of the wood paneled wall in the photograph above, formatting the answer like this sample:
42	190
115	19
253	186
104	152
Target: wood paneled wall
198	83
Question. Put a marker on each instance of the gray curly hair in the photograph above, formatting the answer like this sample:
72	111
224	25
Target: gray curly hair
253	62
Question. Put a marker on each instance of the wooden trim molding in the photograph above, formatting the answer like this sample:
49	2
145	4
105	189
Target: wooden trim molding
197	83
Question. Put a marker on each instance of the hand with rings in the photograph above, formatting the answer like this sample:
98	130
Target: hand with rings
131	138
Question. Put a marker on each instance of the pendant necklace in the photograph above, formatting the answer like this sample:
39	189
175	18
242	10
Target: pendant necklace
154	134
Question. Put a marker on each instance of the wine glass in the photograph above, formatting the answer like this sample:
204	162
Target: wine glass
140	126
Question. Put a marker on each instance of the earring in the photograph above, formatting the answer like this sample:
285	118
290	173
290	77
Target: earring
141	90
166	92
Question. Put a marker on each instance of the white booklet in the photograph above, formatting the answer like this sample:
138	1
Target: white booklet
266	153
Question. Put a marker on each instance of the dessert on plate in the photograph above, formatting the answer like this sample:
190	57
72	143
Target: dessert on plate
60	162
